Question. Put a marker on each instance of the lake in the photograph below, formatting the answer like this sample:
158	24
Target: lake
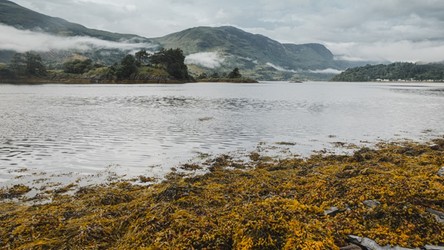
148	129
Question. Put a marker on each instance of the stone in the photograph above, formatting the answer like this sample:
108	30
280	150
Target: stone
370	244
431	247
364	242
371	203
441	172
439	216
332	211
351	247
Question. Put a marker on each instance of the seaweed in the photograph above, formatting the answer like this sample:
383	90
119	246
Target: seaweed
385	194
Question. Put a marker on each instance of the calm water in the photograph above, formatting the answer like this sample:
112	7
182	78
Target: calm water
147	129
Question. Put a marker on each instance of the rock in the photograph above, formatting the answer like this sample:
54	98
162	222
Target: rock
370	244
364	242
435	147
371	203
439	216
430	247
332	211
351	247
441	172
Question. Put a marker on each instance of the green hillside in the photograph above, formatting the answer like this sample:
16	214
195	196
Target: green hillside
393	72
231	41
22	18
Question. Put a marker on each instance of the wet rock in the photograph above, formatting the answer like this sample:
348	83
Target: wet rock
332	211
351	247
364	242
439	216
441	172
371	203
431	247
370	244
435	147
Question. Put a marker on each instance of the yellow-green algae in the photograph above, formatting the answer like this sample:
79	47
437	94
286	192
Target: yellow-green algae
257	205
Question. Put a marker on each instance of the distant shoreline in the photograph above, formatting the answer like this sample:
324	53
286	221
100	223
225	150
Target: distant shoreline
38	80
228	80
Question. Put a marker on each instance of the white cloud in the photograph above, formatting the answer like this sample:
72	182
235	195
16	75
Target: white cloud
406	51
279	68
206	59
326	71
25	40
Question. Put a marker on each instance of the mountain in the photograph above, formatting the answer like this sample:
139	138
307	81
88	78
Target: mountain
14	15
208	49
220	49
231	41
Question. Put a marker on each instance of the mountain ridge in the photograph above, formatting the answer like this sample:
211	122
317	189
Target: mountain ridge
234	41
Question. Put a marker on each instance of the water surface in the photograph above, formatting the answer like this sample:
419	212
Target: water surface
147	129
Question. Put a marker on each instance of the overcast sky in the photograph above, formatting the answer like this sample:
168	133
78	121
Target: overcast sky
395	30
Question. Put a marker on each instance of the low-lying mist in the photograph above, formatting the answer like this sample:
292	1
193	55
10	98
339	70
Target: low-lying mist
26	40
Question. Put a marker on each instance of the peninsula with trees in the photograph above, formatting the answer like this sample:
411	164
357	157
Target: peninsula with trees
164	66
400	71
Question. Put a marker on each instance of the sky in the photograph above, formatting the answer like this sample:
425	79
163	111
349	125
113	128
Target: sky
377	30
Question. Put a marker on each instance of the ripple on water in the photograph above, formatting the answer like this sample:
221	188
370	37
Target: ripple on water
85	129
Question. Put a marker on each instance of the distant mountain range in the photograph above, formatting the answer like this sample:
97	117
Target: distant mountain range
208	49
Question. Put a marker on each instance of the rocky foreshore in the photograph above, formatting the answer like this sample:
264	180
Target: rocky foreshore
387	197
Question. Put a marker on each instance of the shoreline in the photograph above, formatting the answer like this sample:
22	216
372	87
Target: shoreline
38	80
387	194
24	81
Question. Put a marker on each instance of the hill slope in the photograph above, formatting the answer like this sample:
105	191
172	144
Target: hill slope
393	72
22	18
230	41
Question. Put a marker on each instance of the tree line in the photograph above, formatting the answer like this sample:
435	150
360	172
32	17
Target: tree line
170	60
393	72
28	64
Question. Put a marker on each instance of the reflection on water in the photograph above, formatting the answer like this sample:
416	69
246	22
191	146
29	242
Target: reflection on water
146	129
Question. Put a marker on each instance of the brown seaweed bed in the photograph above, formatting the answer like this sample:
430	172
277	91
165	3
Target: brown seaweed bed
385	193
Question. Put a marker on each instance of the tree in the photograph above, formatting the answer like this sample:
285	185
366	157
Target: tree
27	64
141	57
235	73
173	61
78	66
34	64
127	67
18	64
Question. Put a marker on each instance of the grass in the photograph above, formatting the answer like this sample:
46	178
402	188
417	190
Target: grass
260	204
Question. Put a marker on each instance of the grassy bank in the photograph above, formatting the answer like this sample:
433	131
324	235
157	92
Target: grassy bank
385	194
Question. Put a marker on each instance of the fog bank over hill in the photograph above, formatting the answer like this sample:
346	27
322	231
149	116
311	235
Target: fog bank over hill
26	40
